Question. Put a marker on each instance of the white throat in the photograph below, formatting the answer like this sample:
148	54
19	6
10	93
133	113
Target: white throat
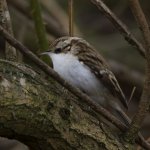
72	70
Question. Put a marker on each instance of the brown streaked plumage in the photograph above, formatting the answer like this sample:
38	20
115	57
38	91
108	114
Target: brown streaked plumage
101	70
90	57
79	63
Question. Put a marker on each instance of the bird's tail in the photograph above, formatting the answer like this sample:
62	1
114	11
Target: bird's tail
122	115
127	122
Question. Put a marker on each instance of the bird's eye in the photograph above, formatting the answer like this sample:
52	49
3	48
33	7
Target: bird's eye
58	50
68	47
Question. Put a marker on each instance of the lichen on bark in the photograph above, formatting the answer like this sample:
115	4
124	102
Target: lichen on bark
41	114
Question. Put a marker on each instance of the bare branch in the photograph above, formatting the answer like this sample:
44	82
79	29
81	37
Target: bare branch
132	93
145	99
75	91
120	26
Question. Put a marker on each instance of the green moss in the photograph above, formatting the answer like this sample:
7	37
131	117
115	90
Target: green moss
33	108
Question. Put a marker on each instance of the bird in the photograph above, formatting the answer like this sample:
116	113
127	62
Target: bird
78	62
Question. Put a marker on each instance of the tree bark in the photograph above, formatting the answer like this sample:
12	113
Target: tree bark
6	50
41	114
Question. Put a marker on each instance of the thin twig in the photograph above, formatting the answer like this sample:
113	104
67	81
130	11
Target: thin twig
131	96
120	26
68	86
71	21
38	22
135	126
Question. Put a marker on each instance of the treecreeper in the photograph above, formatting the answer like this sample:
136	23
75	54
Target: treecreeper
79	63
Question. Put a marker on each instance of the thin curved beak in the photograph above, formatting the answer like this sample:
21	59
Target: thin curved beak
44	53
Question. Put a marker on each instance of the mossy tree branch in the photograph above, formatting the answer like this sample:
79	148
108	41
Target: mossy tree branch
43	118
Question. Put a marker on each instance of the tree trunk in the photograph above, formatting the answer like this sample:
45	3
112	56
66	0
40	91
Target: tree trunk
44	116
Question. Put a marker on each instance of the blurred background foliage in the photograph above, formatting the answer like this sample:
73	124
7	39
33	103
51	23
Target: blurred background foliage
93	26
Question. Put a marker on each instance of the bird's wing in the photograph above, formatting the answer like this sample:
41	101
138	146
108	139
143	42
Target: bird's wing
99	67
108	79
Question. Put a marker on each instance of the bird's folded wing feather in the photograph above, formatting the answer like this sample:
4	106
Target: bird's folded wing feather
99	67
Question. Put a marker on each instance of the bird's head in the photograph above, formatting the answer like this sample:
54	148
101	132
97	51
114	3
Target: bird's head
67	45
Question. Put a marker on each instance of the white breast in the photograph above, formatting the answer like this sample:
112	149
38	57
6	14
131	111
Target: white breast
78	74
75	72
